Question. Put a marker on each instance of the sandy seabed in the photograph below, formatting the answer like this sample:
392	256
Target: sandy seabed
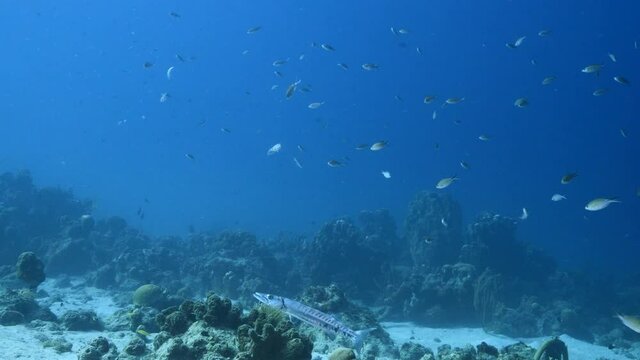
22	342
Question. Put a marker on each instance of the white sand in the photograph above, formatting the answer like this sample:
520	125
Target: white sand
402	332
21	342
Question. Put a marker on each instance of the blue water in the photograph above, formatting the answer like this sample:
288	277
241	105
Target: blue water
80	111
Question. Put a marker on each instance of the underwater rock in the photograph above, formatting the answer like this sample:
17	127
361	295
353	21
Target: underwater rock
490	237
379	230
81	320
174	349
30	269
445	352
11	317
233	264
342	354
136	347
485	349
340	254
269	335
433	228
173	321
99	348
71	257
59	344
413	351
443	297
219	312
518	351
21	306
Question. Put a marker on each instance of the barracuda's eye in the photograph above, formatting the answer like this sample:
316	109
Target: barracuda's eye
270	297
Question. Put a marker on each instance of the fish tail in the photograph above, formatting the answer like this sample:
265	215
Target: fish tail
358	341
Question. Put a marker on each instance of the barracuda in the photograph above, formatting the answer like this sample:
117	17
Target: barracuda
313	317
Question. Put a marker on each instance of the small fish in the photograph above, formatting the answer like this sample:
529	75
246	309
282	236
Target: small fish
225	130
600	92
143	332
301	57
525	214
300	147
386	174
164	97
189	156
295	160
521	102
273	87
534	62
454	100
253	30
592	69
334	163
327	47
245	52
444	222
175	14
370	66
464	165
362	147
612	57
393	31
291	89
517	43
274	149
623	132
621	80
632	322
446	182
484	137
568	178
278	73
315	105
558	197
169	72
600	203
179	57
419	51
378	146
305	89
147	65
548	80
279	62
429	99
343	66
434	115
398	98
544	33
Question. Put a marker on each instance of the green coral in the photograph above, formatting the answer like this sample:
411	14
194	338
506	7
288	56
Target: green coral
269	335
149	295
552	349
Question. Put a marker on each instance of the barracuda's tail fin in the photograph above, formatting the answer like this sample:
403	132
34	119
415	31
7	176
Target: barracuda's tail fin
358	341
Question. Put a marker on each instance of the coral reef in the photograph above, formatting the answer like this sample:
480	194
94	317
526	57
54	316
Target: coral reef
433	229
81	320
17	307
99	348
269	335
30	269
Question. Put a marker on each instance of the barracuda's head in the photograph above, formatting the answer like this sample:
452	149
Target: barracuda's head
270	300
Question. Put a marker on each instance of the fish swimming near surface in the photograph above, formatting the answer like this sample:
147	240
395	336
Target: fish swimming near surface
313	317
